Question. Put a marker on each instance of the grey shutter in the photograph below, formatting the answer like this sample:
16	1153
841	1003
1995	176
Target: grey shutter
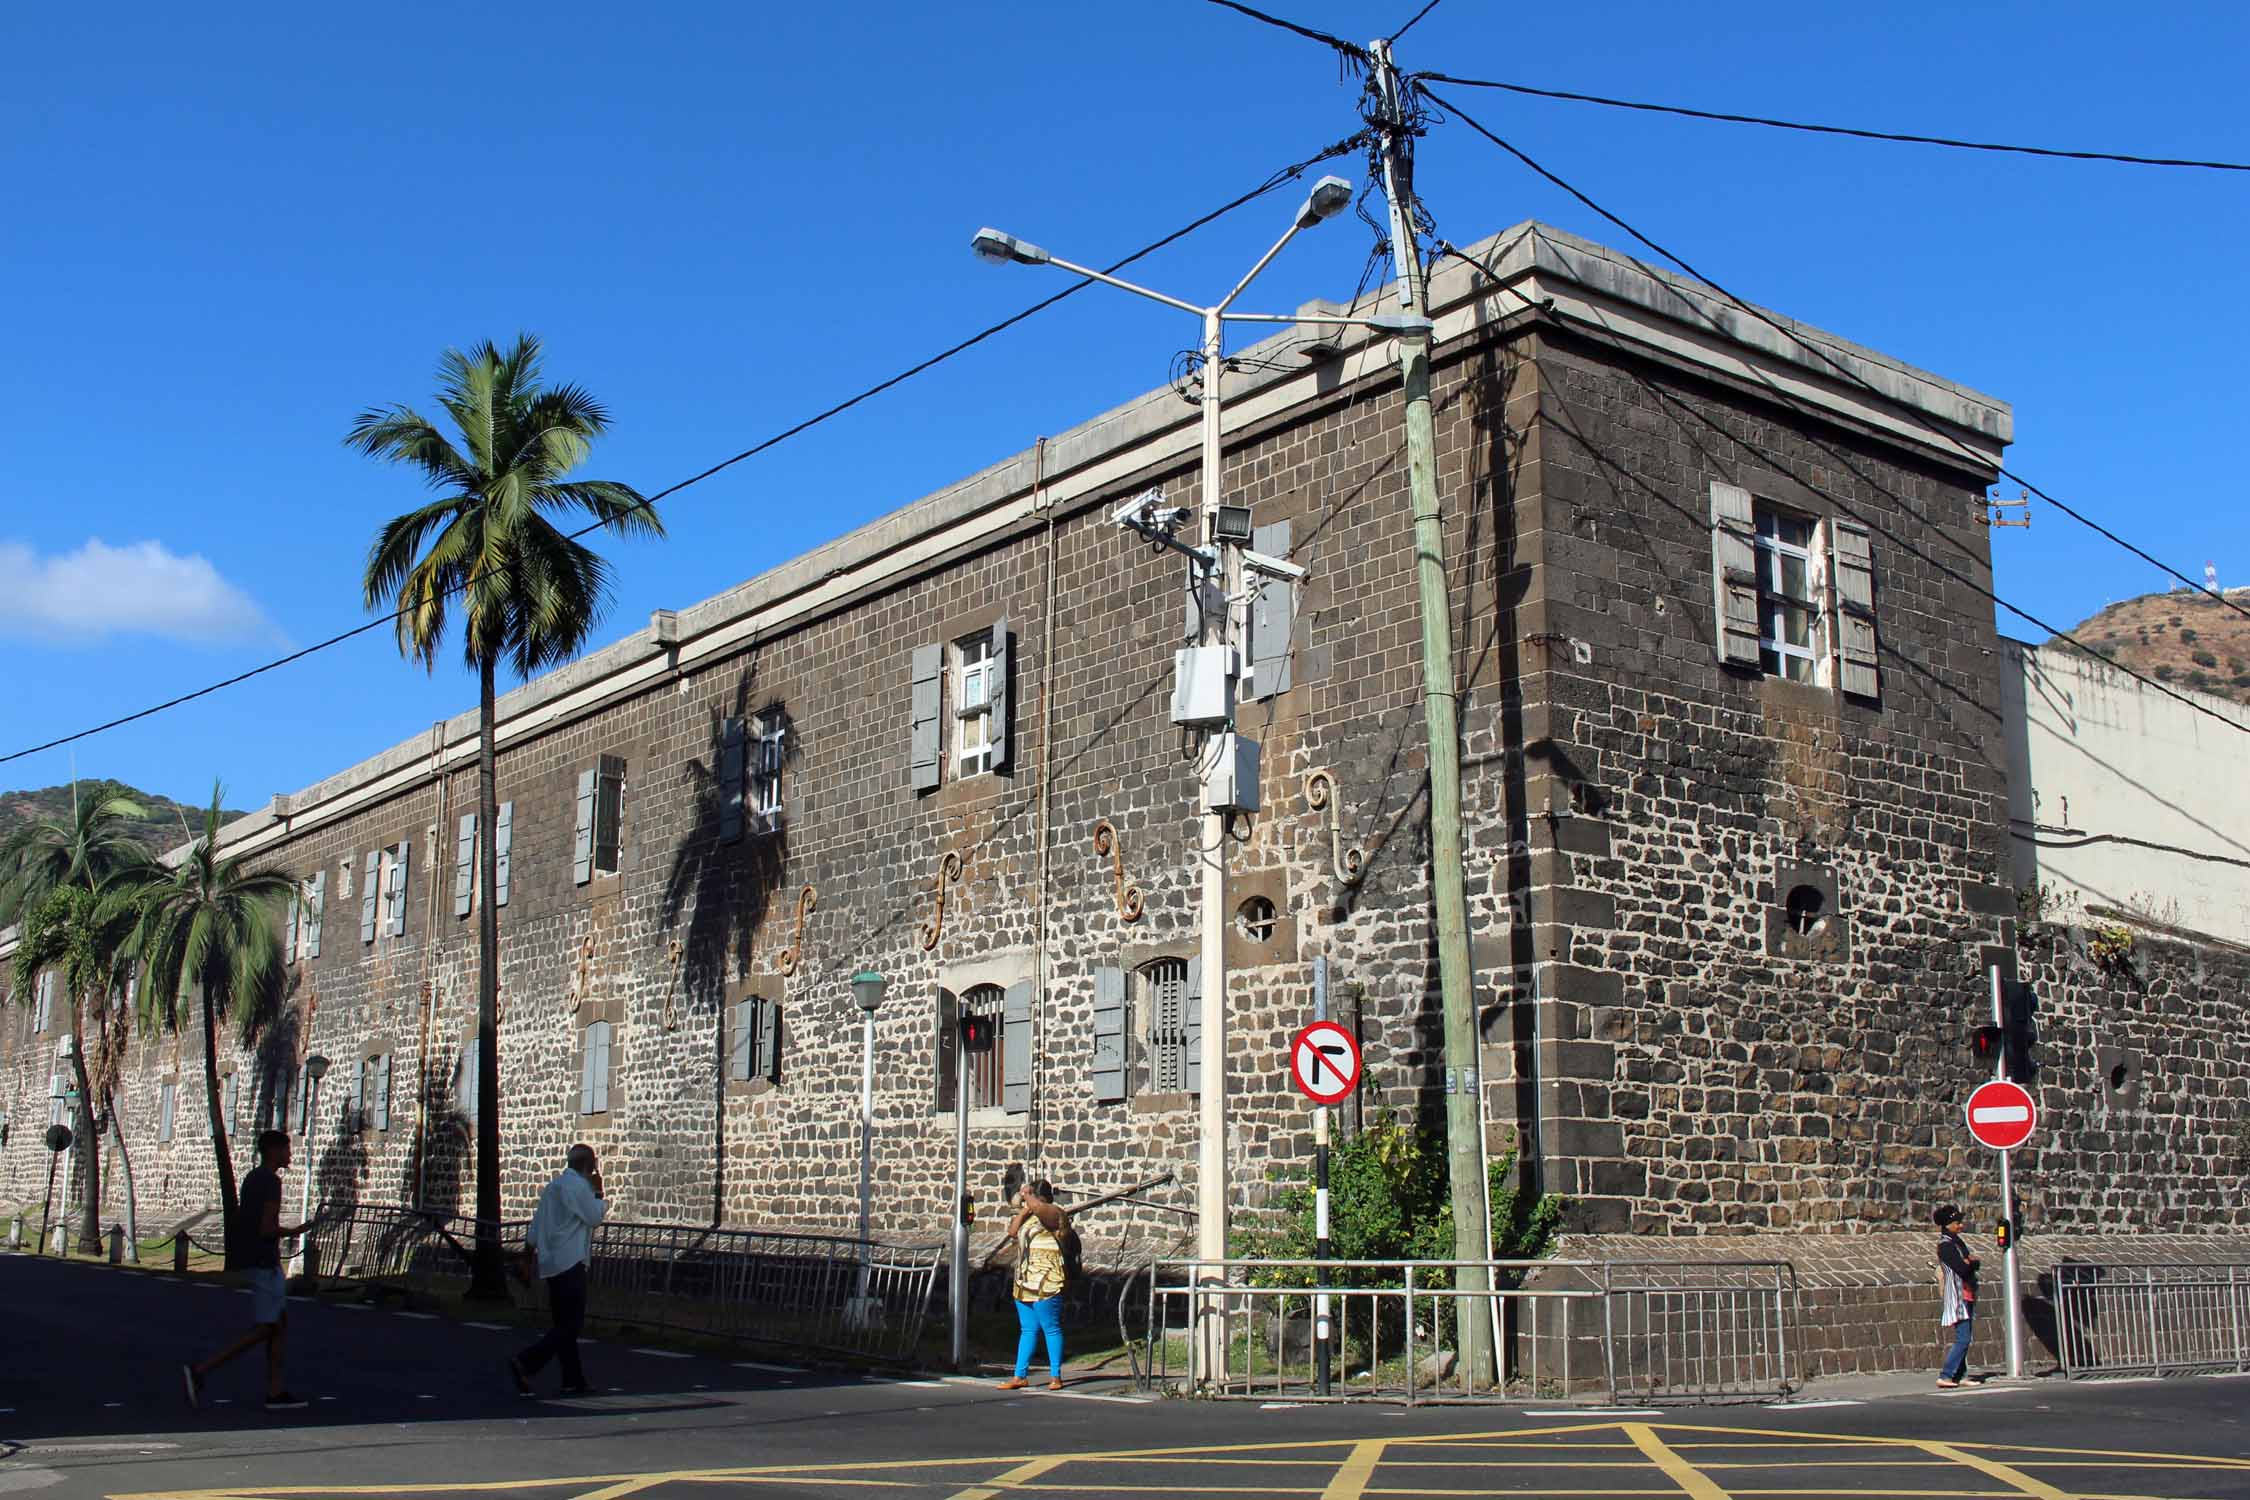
464	864
1109	1035
231	1104
398	889
167	1100
582	851
1734	575
1015	1049
586	1068
731	765
594	1088
1191	1029
1852	563
1273	618
465	1081
1000	720
370	893
503	840
366	1080
769	1040
741	1054
383	1092
929	684
948	1047
319	910
289	934
609	811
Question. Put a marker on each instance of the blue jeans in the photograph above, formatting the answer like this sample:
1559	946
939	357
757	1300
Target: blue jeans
1043	1316
1957	1358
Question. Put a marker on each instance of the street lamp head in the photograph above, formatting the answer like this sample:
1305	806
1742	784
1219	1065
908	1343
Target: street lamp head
990	244
867	990
1329	197
316	1067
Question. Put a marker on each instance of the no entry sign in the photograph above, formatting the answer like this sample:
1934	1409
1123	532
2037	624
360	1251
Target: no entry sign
1324	1061
2001	1115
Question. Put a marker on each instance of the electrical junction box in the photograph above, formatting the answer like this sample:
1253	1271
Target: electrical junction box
1230	774
1203	683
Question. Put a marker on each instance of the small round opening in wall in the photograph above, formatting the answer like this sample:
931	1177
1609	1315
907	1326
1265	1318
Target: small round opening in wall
2119	1076
1807	909
1254	918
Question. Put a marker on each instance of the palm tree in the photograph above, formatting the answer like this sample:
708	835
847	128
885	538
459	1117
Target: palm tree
38	861
213	923
526	589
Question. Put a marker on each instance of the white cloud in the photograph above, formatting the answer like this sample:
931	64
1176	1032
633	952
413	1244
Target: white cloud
141	589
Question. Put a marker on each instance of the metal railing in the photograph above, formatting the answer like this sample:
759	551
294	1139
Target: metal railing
810	1292
2167	1319
1653	1331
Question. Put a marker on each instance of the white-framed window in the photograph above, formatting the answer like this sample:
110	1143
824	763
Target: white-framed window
768	752
984	1072
1791	622
973	666
167	1105
283	1087
465	1083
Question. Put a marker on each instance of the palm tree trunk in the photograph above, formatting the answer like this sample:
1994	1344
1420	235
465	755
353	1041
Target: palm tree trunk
132	1201
486	1281
89	1143
222	1149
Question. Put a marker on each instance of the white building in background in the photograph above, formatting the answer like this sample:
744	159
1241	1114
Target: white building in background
2123	798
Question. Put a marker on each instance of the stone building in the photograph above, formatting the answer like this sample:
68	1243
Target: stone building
1734	800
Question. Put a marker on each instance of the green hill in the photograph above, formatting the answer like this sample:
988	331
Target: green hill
162	830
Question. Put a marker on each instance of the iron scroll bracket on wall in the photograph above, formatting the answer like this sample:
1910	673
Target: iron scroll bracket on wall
949	869
788	959
1320	795
1109	846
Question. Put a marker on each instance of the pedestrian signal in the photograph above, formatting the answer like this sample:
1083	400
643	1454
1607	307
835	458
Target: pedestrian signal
978	1033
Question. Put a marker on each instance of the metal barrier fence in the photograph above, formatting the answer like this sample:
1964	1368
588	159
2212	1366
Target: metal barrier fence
1646	1331
2171	1319
800	1291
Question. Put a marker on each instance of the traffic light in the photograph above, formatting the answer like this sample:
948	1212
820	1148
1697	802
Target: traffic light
1985	1044
2018	1005
977	1033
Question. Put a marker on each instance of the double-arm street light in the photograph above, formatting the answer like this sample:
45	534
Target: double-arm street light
1329	196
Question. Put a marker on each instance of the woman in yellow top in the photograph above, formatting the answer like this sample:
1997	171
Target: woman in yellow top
1037	1229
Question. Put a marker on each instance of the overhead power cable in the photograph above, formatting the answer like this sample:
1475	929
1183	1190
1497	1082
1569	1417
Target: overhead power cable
1410	25
1351	50
1847	130
1769	321
1841	369
1286	174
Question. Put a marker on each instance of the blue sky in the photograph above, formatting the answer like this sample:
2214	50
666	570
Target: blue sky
226	232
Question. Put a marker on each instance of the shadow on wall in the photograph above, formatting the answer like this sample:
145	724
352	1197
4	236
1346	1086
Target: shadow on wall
730	861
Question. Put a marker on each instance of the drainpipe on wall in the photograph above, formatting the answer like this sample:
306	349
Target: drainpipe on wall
1046	785
429	962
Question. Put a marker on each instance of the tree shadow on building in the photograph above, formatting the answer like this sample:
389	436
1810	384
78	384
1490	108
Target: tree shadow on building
731	860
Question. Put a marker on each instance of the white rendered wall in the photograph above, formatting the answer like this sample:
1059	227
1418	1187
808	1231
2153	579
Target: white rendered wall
2120	796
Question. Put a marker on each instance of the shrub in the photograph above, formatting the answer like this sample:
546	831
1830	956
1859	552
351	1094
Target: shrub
2188	634
2204	659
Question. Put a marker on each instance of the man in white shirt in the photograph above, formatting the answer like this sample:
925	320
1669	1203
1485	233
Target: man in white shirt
561	1232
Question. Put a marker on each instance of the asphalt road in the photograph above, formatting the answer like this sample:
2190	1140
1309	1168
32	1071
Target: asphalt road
91	1404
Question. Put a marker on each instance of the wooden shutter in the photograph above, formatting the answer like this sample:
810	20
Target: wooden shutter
1851	552
948	1047
319	911
593	1071
1109	1035
1015	1049
582	849
167	1097
289	934
465	1081
1000	721
503	840
383	1092
370	892
1734	575
233	1104
398	888
1167	1022
769	1040
732	764
1191	1029
928	737
464	864
1273	618
742	1047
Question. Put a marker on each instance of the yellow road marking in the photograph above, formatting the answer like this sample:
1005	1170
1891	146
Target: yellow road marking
1352	1475
2000	1471
1692	1481
991	1488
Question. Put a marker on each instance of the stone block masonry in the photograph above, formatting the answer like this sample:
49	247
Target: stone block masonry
1729	926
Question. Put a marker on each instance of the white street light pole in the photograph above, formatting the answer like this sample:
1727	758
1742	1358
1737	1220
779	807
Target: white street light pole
867	993
1217	627
315	1069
